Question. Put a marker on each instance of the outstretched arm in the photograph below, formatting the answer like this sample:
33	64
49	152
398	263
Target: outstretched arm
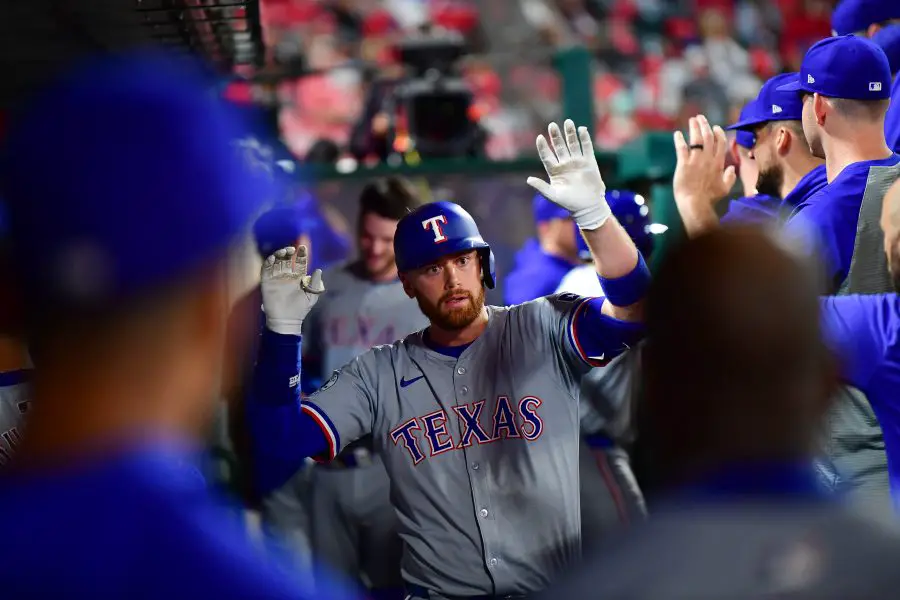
576	185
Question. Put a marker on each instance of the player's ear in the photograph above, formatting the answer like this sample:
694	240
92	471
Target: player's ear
407	286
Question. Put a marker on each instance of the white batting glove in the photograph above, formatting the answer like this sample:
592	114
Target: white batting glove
288	292
575	181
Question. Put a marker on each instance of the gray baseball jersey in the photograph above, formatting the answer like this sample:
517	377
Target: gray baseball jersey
741	551
357	315
14	401
482	450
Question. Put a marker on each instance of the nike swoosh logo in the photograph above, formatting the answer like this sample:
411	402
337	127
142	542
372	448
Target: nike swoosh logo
598	358
405	382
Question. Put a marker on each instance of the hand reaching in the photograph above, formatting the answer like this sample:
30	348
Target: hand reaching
701	179
575	180
288	292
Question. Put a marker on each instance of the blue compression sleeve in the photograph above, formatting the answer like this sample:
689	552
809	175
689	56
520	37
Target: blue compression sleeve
599	338
282	436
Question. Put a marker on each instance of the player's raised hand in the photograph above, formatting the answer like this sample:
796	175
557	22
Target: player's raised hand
288	292
575	180
701	179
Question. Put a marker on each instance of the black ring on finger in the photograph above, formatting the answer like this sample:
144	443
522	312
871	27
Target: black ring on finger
696	147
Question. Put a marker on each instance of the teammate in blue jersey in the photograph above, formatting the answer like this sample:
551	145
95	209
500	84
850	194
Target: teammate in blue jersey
540	266
121	257
740	512
889	40
787	169
845	84
476	416
752	207
864	331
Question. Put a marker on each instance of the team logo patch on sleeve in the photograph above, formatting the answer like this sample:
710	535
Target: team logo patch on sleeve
330	382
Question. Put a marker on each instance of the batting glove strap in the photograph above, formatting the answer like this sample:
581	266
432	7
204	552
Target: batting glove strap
592	217
285	326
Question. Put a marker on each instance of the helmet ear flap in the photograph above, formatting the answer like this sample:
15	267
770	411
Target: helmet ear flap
488	268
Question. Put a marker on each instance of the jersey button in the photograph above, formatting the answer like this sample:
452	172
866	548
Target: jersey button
475	466
464	390
483	512
493	562
461	371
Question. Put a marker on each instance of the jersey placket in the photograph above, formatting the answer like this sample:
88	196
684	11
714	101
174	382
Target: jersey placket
463	384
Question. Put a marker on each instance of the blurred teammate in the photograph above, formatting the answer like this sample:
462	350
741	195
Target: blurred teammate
540	265
743	514
121	256
353	526
878	20
788	173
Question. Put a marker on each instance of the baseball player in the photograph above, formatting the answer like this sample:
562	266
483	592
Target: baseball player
476	417
888	38
744	515
353	527
879	21
788	173
121	256
542	263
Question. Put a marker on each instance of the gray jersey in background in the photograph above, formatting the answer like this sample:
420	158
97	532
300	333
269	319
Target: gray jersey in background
482	450
15	398
344	515
741	551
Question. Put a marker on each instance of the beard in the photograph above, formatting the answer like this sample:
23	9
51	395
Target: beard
770	181
453	319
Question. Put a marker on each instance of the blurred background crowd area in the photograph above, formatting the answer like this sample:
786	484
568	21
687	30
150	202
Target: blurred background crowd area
655	62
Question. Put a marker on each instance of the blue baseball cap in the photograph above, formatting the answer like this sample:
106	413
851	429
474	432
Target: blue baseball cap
633	214
772	104
744	138
888	39
122	177
277	228
848	67
544	210
854	16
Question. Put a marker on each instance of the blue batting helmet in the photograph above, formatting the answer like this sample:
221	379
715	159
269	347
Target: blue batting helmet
633	214
435	230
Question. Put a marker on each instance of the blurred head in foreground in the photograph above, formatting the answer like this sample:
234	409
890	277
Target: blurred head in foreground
736	370
121	246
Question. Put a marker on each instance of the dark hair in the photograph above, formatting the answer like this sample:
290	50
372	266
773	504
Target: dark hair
864	110
323	152
390	198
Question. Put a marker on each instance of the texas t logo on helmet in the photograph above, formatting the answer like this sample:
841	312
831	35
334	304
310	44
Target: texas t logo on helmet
434	223
436	230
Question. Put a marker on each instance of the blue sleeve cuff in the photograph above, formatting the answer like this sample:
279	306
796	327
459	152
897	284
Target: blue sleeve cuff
628	289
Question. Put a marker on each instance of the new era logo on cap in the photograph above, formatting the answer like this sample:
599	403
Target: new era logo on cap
810	78
776	109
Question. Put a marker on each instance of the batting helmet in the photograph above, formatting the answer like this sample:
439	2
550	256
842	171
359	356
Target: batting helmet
633	215
435	230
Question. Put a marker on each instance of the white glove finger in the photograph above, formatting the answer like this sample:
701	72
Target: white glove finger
541	186
280	253
572	138
289	252
587	144
301	261
546	155
557	142
266	271
314	285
